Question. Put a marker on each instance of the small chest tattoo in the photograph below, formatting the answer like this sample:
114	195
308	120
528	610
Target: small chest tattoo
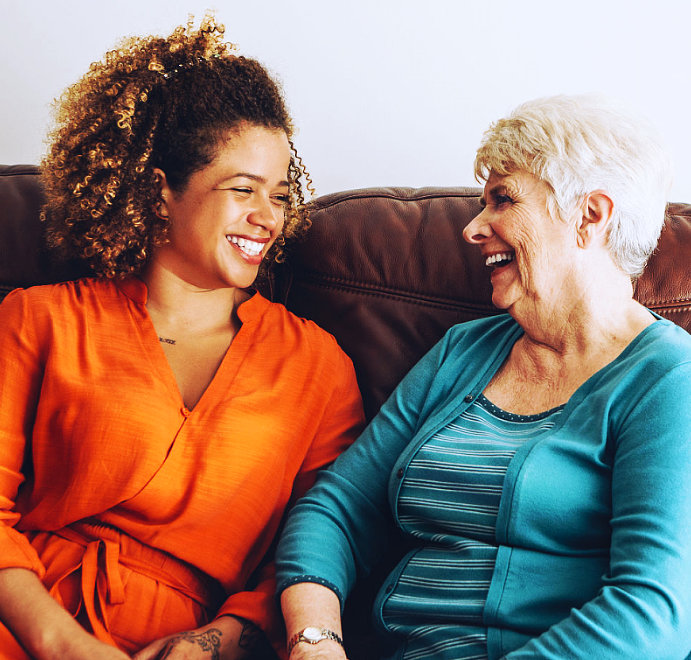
165	340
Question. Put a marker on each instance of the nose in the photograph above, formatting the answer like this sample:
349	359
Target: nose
478	230
267	215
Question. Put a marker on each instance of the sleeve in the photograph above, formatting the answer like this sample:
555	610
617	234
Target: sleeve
20	382
342	526
644	608
341	422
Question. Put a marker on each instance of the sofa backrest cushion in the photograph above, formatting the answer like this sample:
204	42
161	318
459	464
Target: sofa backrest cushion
387	272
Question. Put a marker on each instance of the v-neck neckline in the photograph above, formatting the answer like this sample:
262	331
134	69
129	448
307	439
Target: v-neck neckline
248	312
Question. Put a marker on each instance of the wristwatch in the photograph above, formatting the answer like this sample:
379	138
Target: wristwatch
313	635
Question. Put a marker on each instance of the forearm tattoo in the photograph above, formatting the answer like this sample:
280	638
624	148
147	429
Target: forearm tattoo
210	640
249	636
254	642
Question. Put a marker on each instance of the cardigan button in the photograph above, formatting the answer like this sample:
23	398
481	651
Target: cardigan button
468	398
399	474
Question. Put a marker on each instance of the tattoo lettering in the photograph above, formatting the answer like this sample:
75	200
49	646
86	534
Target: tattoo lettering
209	640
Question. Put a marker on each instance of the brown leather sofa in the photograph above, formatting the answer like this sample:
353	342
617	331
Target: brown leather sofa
385	270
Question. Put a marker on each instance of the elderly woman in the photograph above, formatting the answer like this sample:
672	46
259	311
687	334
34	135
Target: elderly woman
159	415
536	464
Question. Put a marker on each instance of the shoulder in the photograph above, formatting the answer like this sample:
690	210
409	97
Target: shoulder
58	296
490	326
278	315
661	348
480	339
275	324
52	305
34	299
650	380
667	337
458	362
61	291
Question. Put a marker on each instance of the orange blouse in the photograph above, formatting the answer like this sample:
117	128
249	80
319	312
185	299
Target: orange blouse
92	426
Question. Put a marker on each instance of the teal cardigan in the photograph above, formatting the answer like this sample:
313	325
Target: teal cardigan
594	523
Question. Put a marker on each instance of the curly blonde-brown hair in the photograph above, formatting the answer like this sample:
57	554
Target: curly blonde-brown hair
152	102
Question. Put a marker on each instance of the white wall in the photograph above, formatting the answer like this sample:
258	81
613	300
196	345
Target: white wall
384	92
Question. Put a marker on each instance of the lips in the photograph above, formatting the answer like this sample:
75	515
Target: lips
249	247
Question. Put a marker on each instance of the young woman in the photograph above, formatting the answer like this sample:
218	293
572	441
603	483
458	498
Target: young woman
158	417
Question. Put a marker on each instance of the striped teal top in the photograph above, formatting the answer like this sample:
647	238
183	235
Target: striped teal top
449	500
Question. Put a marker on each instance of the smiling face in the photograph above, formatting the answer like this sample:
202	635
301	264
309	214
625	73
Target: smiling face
230	212
530	252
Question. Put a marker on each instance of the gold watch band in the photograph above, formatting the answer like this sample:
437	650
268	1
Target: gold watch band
313	635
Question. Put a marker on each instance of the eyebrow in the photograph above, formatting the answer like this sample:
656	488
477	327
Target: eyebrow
255	177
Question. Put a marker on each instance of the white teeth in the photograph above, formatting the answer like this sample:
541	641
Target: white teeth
252	248
501	256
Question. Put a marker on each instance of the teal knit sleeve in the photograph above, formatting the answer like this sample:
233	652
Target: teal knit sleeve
340	528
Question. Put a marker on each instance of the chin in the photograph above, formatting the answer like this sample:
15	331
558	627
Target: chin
500	302
505	297
242	282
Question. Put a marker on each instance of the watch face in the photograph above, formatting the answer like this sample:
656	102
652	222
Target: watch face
312	634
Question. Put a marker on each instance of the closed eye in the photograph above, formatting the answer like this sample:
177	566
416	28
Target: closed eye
240	190
497	195
498	200
281	200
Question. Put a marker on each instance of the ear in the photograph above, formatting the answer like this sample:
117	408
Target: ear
597	212
162	209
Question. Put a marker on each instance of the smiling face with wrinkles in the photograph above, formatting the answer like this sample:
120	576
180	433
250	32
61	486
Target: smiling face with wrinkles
531	253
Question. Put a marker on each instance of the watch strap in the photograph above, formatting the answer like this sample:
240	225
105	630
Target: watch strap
313	635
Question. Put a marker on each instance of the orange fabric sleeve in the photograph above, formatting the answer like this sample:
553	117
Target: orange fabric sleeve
20	383
340	425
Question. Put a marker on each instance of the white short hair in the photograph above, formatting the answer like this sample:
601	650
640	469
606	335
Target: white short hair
579	144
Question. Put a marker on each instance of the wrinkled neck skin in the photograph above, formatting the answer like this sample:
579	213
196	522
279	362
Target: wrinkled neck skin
581	322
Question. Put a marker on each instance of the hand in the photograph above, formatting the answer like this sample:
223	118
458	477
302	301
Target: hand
83	647
204	643
227	638
42	626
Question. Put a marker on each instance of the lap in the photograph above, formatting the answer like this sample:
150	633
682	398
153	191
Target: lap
128	601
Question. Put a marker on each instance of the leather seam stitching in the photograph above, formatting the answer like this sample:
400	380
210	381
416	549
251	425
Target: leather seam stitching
405	297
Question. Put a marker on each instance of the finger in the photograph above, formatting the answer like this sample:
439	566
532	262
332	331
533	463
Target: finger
149	652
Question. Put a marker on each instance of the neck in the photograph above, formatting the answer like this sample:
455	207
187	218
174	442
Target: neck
181	305
595	315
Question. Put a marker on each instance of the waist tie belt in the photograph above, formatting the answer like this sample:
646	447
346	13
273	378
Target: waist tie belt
105	549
